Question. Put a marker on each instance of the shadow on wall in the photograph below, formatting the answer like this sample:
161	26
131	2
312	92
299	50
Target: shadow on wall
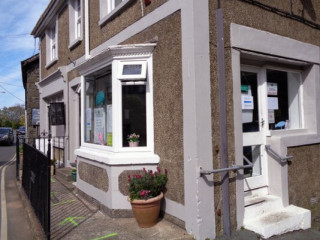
308	6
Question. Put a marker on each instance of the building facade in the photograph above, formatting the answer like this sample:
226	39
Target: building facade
207	85
30	76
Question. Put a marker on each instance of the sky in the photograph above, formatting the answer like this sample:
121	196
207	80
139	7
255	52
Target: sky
17	19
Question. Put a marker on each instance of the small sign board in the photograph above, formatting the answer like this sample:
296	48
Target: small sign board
247	102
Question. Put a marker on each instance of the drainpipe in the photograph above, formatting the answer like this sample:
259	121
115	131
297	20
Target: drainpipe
223	122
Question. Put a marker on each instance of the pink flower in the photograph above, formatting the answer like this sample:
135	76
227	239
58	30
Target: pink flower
144	193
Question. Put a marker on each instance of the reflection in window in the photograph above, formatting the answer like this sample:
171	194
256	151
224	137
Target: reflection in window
249	92
253	154
134	113
98	108
283	100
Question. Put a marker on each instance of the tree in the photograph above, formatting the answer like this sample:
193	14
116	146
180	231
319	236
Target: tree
12	116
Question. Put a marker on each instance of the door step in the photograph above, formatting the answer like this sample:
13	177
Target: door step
278	222
266	215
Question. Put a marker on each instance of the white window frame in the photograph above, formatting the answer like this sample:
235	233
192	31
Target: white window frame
141	76
52	43
117	154
75	22
108	9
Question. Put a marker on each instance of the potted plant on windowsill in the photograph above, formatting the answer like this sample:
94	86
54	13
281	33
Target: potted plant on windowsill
133	140
146	193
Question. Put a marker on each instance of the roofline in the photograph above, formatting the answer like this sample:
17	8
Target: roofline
47	16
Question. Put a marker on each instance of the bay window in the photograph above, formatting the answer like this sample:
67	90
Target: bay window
117	101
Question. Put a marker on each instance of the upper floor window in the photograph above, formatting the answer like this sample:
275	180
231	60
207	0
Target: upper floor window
51	42
75	22
107	6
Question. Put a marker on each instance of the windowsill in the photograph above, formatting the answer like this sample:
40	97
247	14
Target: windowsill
112	158
75	42
114	12
51	63
287	132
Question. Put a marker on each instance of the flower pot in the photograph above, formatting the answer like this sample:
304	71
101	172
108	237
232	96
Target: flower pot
74	176
146	212
133	144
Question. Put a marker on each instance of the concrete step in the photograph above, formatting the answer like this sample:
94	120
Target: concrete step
258	205
280	221
64	174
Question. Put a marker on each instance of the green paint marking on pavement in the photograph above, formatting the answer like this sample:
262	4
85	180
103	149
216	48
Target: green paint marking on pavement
61	203
71	220
52	180
106	236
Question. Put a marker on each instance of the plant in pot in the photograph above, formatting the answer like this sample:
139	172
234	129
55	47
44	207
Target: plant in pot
133	139
146	193
74	174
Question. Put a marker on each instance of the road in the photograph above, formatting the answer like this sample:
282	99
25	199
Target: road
14	222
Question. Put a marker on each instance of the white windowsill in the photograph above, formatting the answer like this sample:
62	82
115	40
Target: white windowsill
51	63
112	158
113	12
75	42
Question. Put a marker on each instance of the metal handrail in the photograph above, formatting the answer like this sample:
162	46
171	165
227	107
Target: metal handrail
232	168
281	158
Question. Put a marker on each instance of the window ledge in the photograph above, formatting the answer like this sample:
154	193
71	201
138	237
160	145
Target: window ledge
112	158
74	43
51	63
114	12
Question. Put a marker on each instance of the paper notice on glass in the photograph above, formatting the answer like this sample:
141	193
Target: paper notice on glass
272	89
273	103
109	118
271	116
99	125
247	102
88	118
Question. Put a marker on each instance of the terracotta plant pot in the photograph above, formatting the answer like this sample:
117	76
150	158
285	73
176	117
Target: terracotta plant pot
146	212
133	144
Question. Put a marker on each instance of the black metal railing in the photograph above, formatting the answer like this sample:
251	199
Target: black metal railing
36	177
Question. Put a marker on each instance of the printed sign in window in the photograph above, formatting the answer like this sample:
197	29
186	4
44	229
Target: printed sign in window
247	102
272	89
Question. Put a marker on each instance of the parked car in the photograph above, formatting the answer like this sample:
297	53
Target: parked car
21	130
6	135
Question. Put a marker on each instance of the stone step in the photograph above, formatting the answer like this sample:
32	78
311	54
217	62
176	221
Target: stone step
64	174
258	205
279	222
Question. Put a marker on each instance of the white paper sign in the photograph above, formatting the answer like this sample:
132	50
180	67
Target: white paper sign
273	103
247	102
272	89
99	124
271	116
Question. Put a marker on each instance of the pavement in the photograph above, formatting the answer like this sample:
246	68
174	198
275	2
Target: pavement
73	218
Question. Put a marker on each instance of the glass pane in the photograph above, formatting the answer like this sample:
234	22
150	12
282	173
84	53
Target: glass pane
277	85
134	113
98	103
117	2
249	99
253	155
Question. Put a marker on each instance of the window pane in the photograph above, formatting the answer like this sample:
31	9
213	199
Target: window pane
283	100
134	113
117	2
98	102
249	92
253	155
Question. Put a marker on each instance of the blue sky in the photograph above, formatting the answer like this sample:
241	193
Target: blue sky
17	19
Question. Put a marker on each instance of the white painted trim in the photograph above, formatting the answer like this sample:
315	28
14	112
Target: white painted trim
269	43
197	125
86	30
104	16
112	158
175	209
